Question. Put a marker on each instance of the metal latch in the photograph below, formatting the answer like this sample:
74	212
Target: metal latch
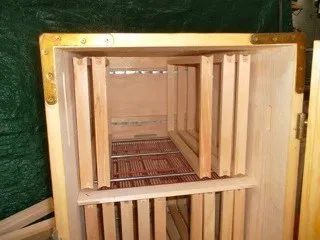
301	130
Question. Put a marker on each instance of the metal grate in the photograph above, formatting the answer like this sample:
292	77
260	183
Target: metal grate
149	162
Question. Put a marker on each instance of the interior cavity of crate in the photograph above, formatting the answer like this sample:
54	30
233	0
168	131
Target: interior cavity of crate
163	120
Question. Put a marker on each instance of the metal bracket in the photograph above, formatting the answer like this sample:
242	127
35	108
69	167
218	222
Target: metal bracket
301	129
283	38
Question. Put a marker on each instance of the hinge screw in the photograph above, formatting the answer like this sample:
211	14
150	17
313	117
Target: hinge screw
83	40
58	38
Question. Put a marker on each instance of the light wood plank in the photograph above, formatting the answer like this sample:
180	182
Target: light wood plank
27	216
178	220
239	214
187	60
215	112
101	117
209	216
83	122
109	221
160	218
310	204
33	232
172	99
93	228
241	115
190	141
226	215
196	218
182	98
186	151
205	127
191	99
127	220
223	166
167	190
144	219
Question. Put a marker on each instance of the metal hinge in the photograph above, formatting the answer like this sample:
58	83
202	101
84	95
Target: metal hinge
301	130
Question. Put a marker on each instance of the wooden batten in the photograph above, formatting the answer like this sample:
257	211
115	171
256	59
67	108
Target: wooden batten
209	216
92	221
226	122
226	215
101	120
160	218
172	100
109	221
191	98
144	227
82	98
178	219
127	227
182	98
196	218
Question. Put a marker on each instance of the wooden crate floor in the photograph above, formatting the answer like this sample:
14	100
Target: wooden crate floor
149	162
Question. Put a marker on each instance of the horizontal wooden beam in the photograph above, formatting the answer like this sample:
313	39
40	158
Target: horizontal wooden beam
188	60
88	196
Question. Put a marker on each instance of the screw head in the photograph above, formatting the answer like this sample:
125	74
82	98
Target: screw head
50	75
83	40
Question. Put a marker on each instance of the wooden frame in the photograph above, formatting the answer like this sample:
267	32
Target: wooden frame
53	46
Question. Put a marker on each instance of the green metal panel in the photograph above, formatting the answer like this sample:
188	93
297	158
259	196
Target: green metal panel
24	166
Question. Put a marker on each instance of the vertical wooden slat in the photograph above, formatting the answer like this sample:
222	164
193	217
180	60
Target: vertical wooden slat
196	217
239	214
127	220
101	117
82	97
241	116
172	100
93	228
226	115
215	113
109	221
182	98
191	99
160	218
144	219
205	128
209	216
240	148
226	217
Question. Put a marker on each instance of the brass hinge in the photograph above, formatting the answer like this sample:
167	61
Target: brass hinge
301	129
283	38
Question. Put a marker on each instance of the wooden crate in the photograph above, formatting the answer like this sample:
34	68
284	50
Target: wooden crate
173	136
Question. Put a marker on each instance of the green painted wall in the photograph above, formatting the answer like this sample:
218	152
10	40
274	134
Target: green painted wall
24	167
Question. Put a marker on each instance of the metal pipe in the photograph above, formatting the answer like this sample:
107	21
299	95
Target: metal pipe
152	176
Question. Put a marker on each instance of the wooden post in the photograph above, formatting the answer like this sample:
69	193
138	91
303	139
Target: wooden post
223	167
205	128
144	219
127	220
160	218
196	217
93	227
101	117
82	97
109	221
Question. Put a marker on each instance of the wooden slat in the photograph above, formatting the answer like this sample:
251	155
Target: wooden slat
187	60
215	112
109	221
241	115
239	214
27	216
160	218
172	100
101	117
226	116
226	217
167	190
209	216
196	218
191	99
186	151
35	231
144	219
83	122
178	220
127	220
190	141
182	98
205	127
93	228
